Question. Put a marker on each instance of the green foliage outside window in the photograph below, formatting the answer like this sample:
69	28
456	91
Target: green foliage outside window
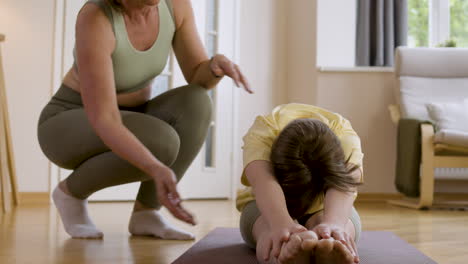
418	24
459	22
449	43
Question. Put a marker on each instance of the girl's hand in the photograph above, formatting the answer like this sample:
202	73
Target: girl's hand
327	230
278	235
220	66
168	196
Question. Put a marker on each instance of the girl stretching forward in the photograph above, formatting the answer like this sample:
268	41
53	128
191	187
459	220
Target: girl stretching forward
302	166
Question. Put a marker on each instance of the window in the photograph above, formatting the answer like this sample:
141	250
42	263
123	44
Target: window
418	23
433	22
164	81
459	22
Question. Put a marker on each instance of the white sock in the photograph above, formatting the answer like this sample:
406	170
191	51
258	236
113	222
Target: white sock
74	214
152	223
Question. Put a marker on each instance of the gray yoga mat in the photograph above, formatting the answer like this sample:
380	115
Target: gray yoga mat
225	245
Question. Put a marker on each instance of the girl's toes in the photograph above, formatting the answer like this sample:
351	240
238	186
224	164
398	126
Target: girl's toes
342	253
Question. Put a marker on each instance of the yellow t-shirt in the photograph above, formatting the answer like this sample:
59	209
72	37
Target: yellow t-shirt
260	138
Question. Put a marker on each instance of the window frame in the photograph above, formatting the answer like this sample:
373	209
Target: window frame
439	21
214	33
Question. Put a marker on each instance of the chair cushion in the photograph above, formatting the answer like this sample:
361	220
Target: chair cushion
452	137
451	122
450	116
416	92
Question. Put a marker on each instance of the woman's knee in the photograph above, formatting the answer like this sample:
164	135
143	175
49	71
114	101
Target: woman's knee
190	102
159	137
50	147
196	102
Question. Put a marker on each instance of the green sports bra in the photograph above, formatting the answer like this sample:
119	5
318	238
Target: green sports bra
134	69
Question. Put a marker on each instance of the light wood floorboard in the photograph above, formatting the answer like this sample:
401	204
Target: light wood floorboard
34	234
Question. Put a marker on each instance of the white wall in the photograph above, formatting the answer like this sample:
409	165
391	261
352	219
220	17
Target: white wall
363	99
301	50
262	59
27	53
336	32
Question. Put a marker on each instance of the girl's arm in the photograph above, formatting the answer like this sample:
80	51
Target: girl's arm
337	210
337	204
267	189
337	207
271	203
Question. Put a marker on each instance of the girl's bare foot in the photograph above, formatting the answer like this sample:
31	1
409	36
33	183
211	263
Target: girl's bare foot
299	248
330	251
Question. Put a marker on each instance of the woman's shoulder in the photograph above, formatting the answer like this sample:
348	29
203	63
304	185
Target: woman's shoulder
181	9
93	27
95	11
95	14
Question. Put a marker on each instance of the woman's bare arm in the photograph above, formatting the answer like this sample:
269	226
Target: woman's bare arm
191	54
94	45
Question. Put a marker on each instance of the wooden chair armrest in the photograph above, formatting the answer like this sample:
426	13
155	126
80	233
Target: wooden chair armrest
395	113
427	130
427	142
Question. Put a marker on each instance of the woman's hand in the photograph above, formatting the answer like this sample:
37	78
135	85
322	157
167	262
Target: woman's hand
327	230
278	235
221	66
168	196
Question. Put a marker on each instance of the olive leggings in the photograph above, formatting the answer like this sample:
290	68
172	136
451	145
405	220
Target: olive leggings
173	126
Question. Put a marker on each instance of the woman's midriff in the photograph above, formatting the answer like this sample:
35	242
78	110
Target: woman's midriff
125	99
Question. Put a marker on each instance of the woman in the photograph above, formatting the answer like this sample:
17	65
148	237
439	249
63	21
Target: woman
302	166
103	124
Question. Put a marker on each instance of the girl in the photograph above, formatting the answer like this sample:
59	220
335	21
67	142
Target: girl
302	166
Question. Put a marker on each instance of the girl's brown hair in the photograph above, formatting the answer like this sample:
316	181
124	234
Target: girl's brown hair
308	159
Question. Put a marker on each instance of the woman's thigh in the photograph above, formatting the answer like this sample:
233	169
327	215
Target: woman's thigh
190	102
68	139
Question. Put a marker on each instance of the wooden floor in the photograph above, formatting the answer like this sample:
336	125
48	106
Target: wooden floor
34	234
